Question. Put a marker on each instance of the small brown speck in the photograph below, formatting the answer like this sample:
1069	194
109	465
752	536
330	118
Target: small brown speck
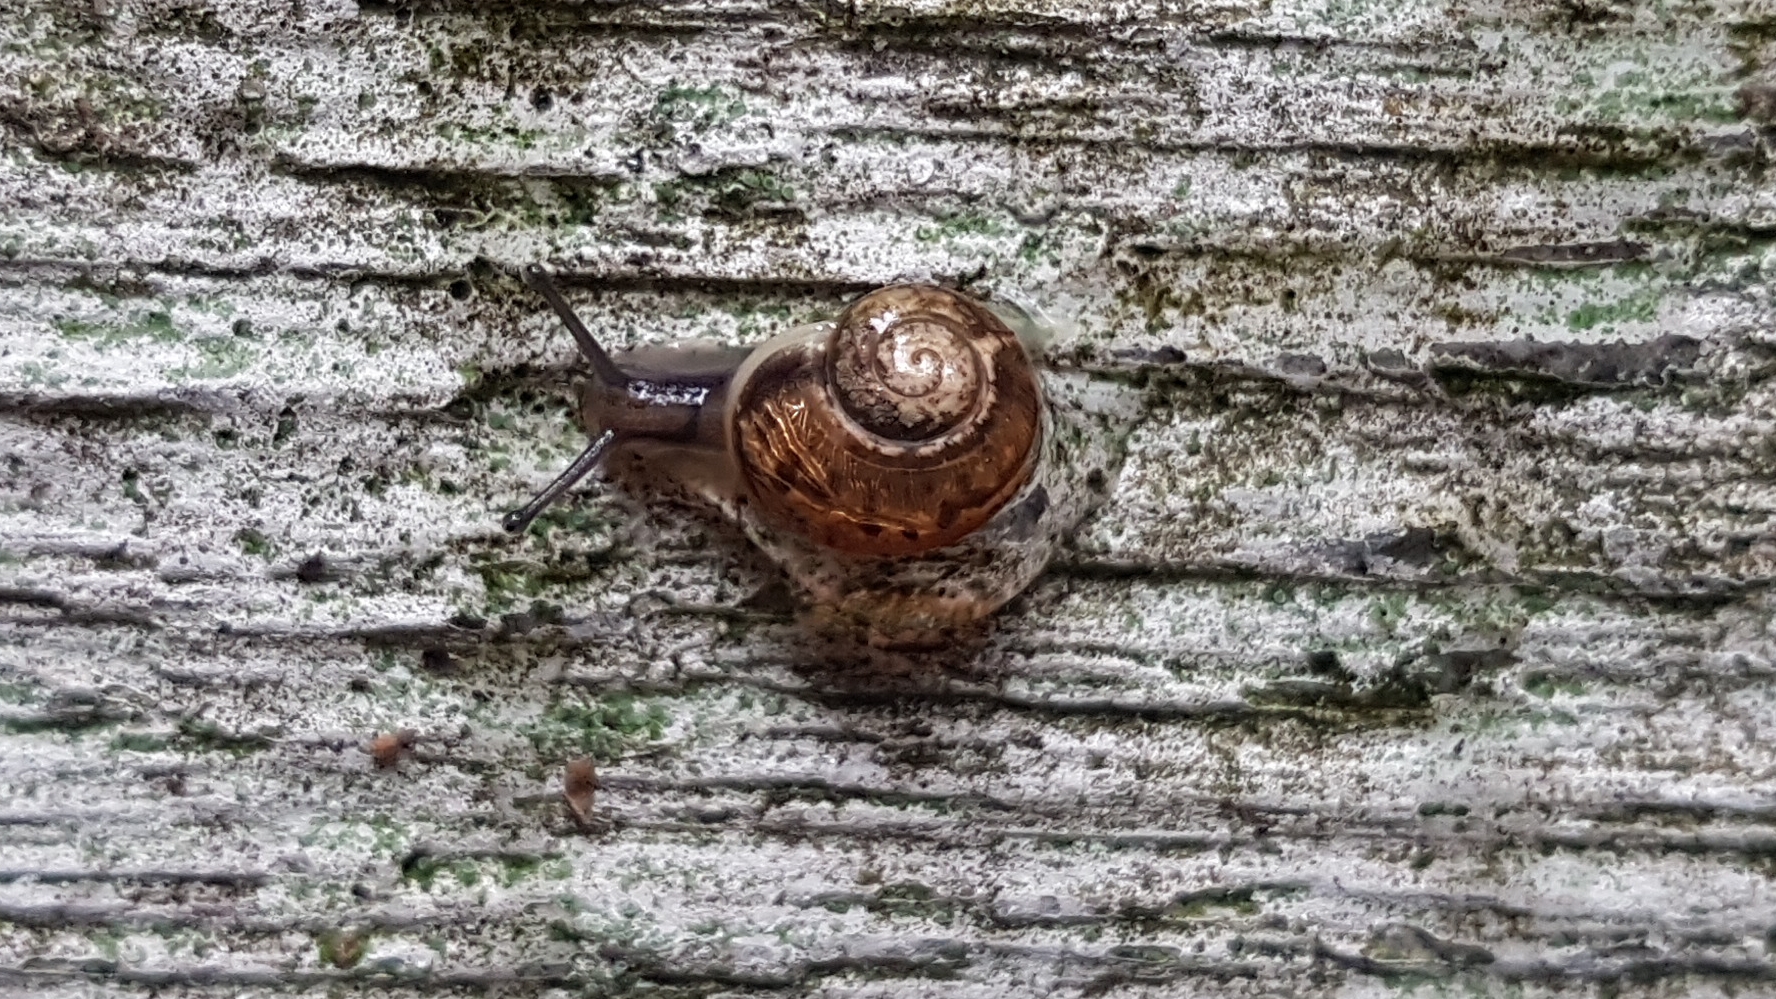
343	949
386	749
580	788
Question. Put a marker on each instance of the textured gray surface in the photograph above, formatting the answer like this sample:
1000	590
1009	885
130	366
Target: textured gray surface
1424	646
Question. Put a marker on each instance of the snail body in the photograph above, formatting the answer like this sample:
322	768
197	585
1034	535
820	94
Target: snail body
900	462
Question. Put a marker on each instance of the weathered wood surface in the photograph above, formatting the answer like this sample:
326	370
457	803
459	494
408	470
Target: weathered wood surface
1424	645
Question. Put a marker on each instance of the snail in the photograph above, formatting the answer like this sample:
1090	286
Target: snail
907	463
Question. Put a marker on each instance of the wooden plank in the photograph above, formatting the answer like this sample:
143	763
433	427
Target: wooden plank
1423	641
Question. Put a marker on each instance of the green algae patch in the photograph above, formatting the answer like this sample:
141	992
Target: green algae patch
140	742
431	872
736	194
157	326
695	109
960	226
602	729
209	736
1640	307
218	357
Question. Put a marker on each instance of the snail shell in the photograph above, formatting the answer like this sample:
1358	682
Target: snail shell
902	429
899	462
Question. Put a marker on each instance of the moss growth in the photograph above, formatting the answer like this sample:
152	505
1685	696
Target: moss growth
218	357
573	520
695	109
139	742
732	193
958	226
18	693
156	326
1544	685
602	729
1640	307
468	871
210	737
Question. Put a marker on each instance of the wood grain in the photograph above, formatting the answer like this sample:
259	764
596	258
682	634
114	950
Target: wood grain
1424	643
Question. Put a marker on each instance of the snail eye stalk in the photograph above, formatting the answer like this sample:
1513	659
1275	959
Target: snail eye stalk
519	519
603	368
606	369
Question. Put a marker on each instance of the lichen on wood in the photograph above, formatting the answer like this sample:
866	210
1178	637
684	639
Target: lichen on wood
1423	643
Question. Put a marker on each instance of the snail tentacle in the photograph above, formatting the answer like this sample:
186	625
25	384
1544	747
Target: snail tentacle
589	459
537	277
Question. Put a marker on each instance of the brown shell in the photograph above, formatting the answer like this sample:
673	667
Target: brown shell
902	432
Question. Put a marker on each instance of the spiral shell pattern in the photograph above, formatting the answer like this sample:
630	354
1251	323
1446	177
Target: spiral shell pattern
905	376
902	431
